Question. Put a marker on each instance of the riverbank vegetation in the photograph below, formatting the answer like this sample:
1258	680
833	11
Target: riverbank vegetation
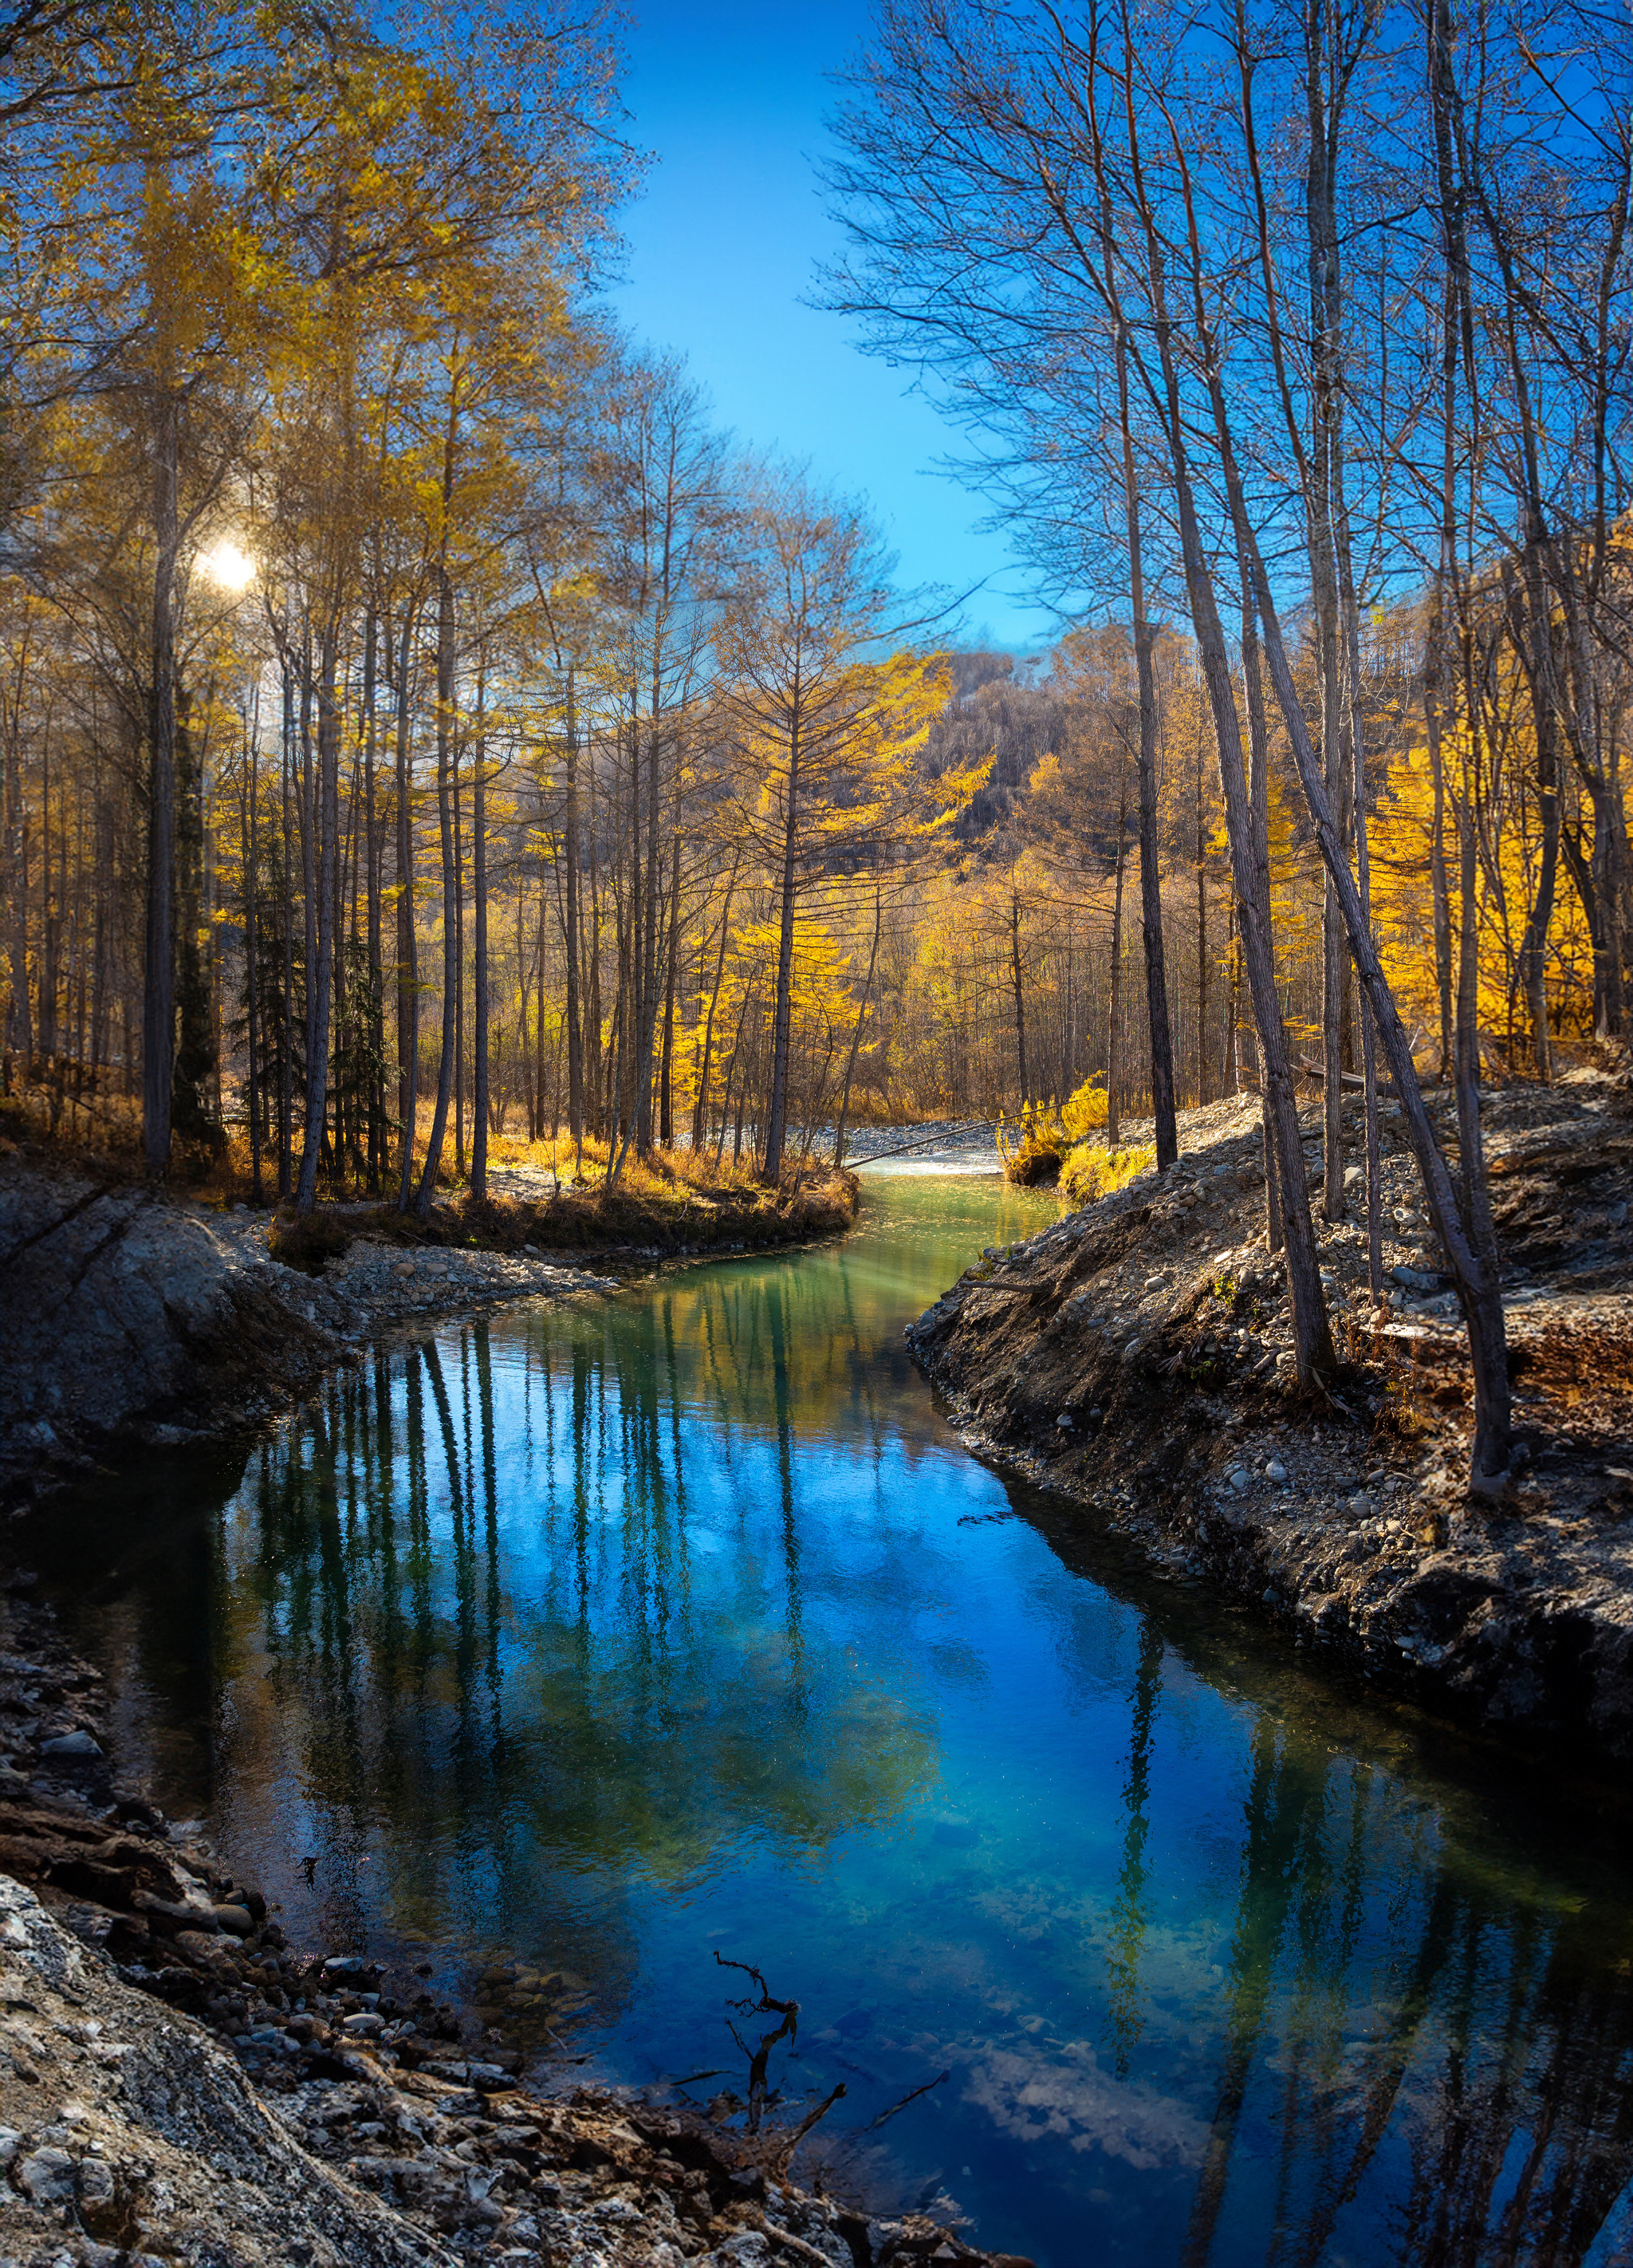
669	1203
423	728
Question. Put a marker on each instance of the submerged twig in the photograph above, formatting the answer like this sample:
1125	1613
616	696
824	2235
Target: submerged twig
784	2156
758	2058
906	2099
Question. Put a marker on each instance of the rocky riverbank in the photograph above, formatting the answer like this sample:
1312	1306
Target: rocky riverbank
180	2084
1135	1356
129	1319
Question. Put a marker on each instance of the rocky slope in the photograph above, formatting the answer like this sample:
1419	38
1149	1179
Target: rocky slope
1136	1356
129	1319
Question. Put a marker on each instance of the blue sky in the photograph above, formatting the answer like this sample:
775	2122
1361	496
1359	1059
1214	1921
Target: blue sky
721	248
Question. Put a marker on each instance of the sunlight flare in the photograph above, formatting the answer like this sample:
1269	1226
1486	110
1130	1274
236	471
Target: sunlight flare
227	567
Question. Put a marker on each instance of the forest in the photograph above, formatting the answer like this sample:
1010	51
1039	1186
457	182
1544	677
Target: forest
428	739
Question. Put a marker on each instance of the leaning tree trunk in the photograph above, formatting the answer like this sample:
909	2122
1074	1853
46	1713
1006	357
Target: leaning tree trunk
1313	1343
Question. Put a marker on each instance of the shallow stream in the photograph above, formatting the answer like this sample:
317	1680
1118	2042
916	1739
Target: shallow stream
606	1639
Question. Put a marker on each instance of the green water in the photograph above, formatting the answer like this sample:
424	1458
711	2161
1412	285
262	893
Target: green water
605	1639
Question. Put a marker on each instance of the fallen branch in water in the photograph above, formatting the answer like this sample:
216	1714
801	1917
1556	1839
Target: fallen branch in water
758	2058
906	2099
785	2155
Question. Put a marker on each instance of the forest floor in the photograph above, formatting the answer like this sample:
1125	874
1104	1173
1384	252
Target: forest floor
1136	1355
179	2084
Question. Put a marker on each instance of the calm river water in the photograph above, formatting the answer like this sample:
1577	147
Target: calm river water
605	1639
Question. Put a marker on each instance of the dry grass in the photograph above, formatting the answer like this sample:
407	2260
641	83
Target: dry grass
544	1193
1090	1173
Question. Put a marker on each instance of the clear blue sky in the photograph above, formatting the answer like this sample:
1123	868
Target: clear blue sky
722	248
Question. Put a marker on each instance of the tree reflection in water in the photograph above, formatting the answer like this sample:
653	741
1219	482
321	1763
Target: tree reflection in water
510	1709
592	1637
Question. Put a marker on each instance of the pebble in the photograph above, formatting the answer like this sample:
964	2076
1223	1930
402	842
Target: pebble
47	2175
1276	1470
1359	1507
71	1744
1241	1478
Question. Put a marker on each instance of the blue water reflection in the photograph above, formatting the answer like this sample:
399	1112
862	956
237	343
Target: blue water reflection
601	1639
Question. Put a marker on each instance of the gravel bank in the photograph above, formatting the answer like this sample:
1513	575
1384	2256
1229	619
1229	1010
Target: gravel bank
1135	1356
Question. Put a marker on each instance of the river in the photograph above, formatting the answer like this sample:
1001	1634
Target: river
601	1640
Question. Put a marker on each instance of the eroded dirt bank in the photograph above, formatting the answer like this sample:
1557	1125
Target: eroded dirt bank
1135	1356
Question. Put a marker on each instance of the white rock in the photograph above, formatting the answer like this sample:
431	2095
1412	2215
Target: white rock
1275	1471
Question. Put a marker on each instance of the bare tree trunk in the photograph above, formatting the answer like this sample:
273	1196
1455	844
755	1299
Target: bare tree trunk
321	978
571	944
646	973
159	977
856	1036
407	951
538	1132
665	1122
1201	942
1163	1104
1113	1010
1020	1001
479	1002
376	1005
700	1121
286	1081
458	957
1312	1345
450	934
782	1014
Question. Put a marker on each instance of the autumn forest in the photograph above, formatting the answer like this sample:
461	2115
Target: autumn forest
427	736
